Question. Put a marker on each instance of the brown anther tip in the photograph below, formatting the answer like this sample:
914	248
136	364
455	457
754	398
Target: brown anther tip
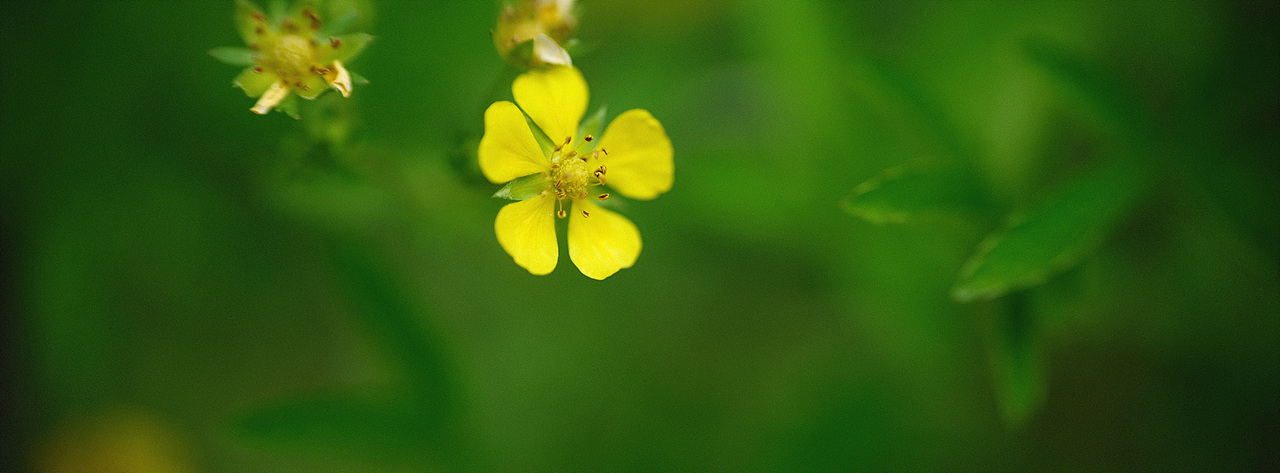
257	15
585	214
588	138
603	196
561	214
257	69
603	169
605	151
334	42
259	30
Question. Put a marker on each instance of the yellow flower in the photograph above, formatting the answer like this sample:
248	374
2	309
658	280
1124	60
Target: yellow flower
633	157
545	25
291	54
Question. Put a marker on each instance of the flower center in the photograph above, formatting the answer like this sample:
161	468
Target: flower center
291	58
574	172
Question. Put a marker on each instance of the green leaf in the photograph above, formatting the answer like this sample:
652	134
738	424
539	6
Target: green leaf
234	56
593	125
1019	377
1051	238
522	188
904	194
343	426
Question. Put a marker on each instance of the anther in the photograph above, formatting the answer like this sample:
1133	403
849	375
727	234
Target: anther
567	140
561	213
585	214
334	42
588	138
605	151
603	196
257	69
257	15
289	25
259	30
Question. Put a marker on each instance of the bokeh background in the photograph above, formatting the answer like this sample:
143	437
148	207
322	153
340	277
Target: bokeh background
189	287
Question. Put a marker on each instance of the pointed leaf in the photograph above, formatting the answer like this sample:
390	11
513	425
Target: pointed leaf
903	194
1051	238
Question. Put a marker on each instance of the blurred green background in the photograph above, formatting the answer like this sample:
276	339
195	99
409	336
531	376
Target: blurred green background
192	287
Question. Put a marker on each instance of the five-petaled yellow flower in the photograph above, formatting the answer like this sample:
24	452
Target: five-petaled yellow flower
292	55
633	157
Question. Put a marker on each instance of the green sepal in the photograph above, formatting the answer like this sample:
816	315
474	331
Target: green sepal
906	193
255	83
289	106
521	54
357	79
548	146
593	125
246	25
332	28
1053	237
522	188
352	45
234	56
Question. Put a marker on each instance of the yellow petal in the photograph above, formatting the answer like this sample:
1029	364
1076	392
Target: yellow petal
639	160
527	231
508	149
271	98
554	97
601	242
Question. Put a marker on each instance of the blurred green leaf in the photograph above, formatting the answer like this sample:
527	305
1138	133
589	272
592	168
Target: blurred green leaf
336	426
394	321
233	56
1052	237
1019	373
522	188
903	194
1099	90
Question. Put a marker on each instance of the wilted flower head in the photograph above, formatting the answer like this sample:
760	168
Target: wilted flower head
534	32
294	53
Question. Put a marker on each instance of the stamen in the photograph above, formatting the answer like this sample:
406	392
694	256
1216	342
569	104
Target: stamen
588	138
257	69
585	214
603	196
605	151
334	42
561	213
567	140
